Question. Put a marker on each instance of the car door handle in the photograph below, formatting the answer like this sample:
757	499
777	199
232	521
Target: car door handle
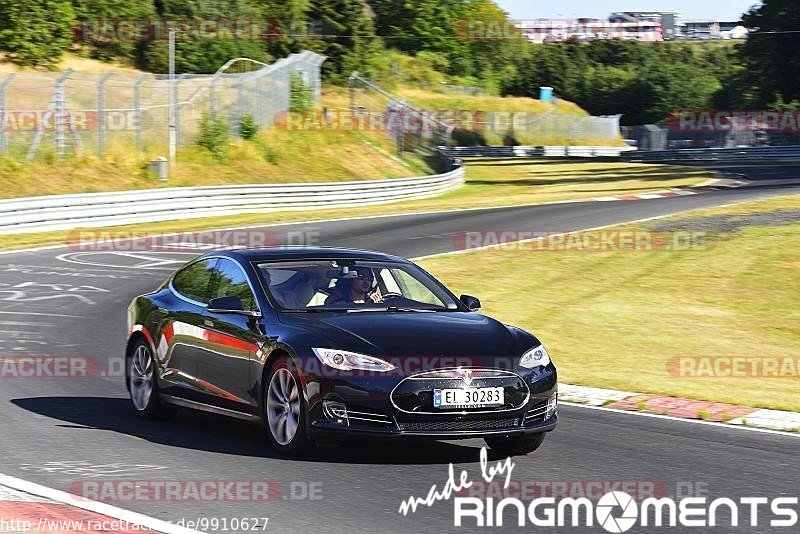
208	322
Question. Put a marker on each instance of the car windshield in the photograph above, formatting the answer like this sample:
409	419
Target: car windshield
354	285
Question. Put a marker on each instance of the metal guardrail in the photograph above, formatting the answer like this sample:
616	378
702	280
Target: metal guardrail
774	154
536	151
63	212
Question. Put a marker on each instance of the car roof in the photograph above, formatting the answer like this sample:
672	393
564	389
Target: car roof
303	253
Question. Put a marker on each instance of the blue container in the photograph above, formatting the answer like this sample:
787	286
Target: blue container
546	94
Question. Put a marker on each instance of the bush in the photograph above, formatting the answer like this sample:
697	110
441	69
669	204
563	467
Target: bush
247	126
468	138
300	98
509	139
214	136
268	152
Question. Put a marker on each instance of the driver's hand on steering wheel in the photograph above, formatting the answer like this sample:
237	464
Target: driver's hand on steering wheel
376	297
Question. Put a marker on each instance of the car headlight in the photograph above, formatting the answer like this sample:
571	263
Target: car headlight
535	357
349	361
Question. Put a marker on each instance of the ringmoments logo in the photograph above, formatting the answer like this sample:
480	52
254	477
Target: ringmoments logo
618	511
615	511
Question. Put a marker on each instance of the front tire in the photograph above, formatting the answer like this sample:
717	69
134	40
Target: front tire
284	410
142	372
515	446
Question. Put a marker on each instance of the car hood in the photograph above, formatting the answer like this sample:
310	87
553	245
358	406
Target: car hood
411	334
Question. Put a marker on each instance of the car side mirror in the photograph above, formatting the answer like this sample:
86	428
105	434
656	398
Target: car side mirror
231	305
470	302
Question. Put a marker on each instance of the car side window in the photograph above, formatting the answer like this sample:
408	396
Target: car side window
232	282
194	282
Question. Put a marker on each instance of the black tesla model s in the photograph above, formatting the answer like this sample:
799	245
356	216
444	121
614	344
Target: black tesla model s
331	344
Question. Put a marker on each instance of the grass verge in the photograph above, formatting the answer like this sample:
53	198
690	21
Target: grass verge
493	183
275	157
618	319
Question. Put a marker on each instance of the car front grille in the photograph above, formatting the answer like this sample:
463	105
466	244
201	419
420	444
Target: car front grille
415	393
480	424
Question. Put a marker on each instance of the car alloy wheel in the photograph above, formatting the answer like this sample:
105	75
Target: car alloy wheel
143	383
283	406
141	378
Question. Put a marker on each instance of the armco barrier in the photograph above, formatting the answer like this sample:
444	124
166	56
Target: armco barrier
63	212
771	154
536	151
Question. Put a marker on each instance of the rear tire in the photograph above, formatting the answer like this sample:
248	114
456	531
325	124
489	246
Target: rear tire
141	369
514	446
285	410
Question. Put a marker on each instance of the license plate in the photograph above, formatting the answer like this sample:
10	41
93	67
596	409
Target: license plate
468	398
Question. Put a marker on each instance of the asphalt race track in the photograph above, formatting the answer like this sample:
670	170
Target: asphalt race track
60	432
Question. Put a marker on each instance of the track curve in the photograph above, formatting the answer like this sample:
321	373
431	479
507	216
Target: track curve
60	432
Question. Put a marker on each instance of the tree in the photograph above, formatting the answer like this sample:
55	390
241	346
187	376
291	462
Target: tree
557	65
288	19
204	52
347	38
772	50
99	24
35	32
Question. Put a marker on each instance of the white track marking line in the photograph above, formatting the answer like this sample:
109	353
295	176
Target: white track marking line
42	313
540	238
94	506
684	420
151	265
340	219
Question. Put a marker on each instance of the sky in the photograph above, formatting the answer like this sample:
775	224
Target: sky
689	9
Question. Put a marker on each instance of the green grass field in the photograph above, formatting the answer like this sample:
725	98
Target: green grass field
490	183
616	319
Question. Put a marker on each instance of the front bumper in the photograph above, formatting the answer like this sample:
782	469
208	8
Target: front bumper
383	407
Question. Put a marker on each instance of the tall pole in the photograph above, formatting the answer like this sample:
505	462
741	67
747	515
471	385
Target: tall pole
173	102
101	113
3	140
137	107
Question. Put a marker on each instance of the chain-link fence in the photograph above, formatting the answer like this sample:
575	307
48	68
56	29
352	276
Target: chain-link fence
722	132
55	115
412	127
542	129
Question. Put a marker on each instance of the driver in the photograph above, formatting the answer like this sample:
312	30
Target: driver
355	289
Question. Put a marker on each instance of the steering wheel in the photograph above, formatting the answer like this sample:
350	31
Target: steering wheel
392	295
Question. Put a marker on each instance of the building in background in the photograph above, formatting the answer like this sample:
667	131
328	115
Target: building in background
666	19
711	29
631	26
588	29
